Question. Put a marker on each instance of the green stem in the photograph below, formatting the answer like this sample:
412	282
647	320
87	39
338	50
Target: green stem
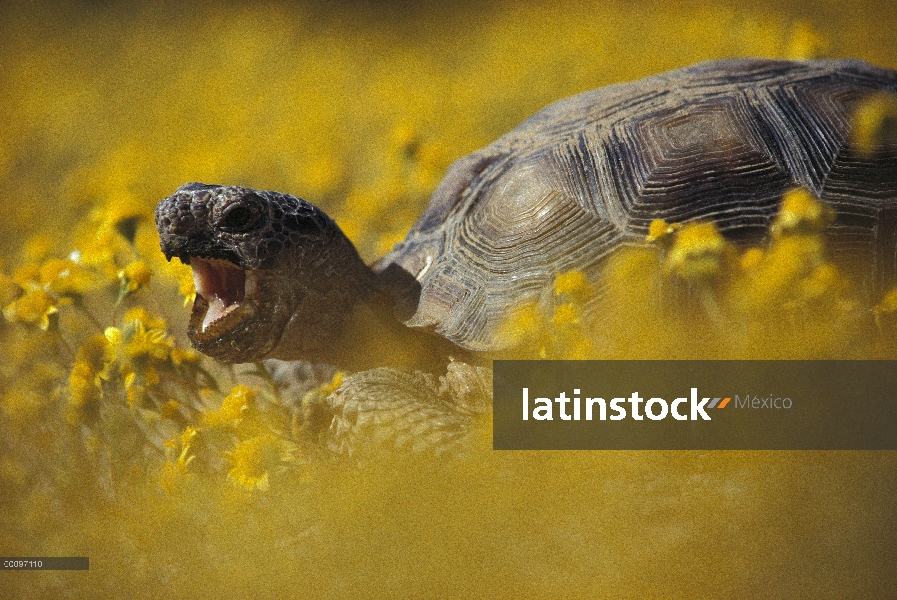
66	346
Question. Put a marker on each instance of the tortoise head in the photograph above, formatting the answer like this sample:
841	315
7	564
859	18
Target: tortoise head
270	270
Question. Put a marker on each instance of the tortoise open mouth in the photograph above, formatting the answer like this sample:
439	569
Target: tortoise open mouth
222	288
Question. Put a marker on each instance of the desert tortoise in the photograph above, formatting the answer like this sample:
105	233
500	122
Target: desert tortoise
718	141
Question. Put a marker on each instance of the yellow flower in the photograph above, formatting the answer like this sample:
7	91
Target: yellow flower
65	277
825	280
100	246
885	310
81	382
523	322
777	271
34	308
806	42
661	233
38	247
170	409
135	341
403	136
888	305
566	315
107	235
180	356
35	292
176	471
134	350
315	398
187	287
52	269
827	291
84	379
114	335
143	316
801	214
151	376
233	408
135	394
794	271
699	253
572	284
751	258
27	275
134	276
875	123
252	460
188	436
329	388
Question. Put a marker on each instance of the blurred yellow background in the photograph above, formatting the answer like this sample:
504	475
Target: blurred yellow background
120	104
357	107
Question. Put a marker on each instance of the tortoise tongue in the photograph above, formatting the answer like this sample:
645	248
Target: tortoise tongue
221	283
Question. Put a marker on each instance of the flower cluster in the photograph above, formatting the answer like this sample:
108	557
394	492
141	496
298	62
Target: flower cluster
100	362
784	299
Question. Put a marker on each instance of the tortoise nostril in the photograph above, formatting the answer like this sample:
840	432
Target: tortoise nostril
199	208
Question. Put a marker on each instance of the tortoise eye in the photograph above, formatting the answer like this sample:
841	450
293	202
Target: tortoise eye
238	217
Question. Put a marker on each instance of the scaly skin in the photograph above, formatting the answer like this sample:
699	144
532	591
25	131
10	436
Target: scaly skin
308	295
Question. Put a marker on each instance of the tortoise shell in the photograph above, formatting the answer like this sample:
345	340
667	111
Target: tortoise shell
718	141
